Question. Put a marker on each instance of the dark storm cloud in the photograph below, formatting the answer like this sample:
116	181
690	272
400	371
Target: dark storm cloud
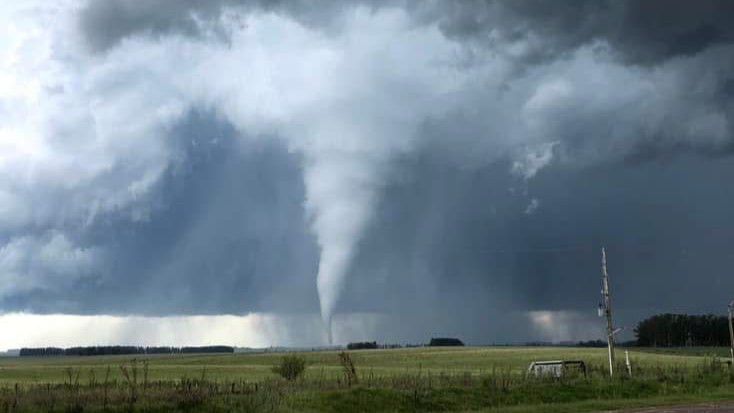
227	234
448	239
105	23
613	126
230	235
458	242
644	32
527	32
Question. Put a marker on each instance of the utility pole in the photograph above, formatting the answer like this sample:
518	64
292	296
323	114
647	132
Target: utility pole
731	332
607	309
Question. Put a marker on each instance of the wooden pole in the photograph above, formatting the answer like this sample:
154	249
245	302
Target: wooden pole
731	333
608	310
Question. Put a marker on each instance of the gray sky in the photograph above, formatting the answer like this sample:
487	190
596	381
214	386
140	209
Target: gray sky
405	168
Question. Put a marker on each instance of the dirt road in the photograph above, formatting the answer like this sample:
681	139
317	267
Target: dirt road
700	408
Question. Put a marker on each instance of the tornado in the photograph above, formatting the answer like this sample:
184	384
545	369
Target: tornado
340	192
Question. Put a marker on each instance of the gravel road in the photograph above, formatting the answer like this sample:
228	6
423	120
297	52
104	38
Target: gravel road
700	408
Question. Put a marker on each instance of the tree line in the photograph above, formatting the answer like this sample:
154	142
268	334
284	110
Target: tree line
445	342
680	330
119	350
362	345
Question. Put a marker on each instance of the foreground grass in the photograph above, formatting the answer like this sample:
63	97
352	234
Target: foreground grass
510	392
406	380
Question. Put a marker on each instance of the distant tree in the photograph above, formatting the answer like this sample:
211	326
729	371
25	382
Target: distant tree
365	345
445	342
40	352
679	330
208	349
120	350
592	343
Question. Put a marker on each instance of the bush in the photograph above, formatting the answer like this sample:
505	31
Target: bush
350	372
291	367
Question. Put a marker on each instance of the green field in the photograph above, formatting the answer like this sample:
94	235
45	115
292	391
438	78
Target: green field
722	352
416	379
251	367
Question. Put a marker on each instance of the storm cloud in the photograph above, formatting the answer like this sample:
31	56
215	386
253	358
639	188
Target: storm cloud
425	167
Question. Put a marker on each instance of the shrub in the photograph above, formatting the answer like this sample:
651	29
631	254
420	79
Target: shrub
291	367
350	372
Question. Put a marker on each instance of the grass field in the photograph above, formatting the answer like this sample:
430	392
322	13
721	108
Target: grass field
257	366
416	379
723	352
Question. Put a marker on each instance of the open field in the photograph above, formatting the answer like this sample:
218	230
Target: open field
689	351
257	366
418	379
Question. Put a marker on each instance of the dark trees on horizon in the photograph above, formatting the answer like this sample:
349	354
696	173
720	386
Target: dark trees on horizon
680	330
